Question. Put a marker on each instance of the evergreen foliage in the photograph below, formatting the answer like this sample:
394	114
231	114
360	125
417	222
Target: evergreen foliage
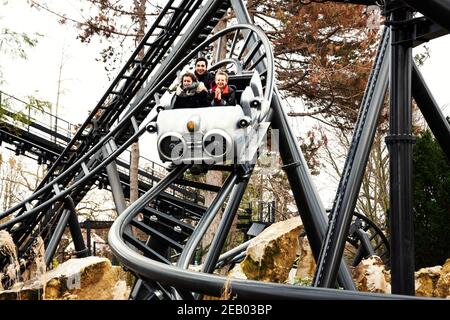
431	202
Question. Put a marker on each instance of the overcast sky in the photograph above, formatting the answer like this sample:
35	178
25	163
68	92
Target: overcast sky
84	80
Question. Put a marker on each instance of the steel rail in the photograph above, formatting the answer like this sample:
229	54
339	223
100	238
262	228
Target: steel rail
105	139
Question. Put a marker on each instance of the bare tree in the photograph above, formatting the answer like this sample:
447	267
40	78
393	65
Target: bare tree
324	53
15	44
373	200
134	155
17	180
113	22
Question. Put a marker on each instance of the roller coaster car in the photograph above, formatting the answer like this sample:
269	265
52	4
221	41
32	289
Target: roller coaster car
213	135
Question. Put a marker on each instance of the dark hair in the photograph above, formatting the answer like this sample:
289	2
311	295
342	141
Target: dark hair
190	75
201	59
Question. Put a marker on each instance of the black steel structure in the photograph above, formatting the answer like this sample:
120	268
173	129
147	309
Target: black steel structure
173	225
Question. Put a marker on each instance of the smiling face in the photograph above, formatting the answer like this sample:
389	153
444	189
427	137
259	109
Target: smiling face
200	67
187	81
221	81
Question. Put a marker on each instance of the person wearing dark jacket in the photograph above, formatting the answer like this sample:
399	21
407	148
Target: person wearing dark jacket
190	93
222	94
202	73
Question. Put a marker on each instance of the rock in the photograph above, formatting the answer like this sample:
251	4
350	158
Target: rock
271	254
237	273
91	278
426	279
196	268
8	255
306	262
443	284
20	291
370	276
36	263
121	291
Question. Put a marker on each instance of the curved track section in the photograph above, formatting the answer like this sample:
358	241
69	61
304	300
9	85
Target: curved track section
368	239
115	123
162	270
243	62
204	283
157	236
38	214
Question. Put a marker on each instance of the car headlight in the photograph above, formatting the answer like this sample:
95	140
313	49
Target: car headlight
193	124
172	146
217	143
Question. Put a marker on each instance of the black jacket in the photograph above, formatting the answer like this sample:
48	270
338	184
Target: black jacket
228	97
196	99
207	78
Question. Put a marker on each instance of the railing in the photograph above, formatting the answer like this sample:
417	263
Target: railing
24	115
145	164
267	212
57	130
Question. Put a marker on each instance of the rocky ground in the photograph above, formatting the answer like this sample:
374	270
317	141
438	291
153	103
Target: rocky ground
278	254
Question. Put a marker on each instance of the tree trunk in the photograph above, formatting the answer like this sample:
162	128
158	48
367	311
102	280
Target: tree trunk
134	169
215	177
134	157
212	178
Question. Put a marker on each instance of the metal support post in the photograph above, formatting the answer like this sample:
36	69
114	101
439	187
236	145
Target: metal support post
75	230
353	172
365	242
311	209
114	180
56	237
68	216
224	227
400	143
115	183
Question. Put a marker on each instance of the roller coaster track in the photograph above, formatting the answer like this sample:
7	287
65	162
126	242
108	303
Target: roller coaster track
169	230
79	165
42	136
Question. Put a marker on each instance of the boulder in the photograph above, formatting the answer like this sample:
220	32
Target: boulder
306	262
443	284
271	254
426	279
35	267
370	276
19	291
237	273
91	278
8	255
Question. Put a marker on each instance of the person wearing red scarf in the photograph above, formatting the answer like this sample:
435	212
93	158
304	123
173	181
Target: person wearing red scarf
222	94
